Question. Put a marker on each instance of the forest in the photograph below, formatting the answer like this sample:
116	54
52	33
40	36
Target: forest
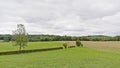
42	37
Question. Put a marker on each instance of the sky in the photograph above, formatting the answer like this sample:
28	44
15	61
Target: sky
61	17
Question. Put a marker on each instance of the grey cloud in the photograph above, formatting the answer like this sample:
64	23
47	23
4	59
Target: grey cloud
72	17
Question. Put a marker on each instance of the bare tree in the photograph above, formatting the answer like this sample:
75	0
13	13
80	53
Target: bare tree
20	36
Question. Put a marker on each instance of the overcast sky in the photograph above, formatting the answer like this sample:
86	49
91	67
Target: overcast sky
61	17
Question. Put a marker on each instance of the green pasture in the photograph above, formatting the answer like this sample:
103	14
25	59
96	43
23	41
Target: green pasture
8	46
77	57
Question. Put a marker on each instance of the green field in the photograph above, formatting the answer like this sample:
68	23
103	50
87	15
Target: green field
31	45
87	57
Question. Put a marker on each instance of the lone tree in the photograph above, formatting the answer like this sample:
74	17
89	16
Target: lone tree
20	36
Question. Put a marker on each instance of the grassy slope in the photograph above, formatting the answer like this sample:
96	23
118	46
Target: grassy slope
66	58
69	58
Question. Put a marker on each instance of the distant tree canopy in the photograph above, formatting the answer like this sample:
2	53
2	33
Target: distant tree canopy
72	38
34	38
49	38
6	38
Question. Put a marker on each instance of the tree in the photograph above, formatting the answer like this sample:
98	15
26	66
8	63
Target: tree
20	36
78	43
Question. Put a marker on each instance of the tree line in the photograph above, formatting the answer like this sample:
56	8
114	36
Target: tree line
20	38
42	37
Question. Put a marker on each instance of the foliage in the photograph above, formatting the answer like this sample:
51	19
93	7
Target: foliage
34	38
65	45
7	38
78	43
20	36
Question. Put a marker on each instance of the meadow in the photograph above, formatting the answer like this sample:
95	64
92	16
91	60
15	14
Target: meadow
92	55
5	46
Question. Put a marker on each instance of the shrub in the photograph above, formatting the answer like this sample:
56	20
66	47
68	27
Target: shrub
65	45
78	43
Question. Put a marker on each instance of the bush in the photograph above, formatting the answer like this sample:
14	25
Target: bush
65	45
78	43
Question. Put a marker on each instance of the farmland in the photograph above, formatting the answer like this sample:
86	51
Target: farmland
5	46
92	55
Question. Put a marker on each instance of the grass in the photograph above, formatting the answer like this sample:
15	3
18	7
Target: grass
86	57
4	46
70	58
